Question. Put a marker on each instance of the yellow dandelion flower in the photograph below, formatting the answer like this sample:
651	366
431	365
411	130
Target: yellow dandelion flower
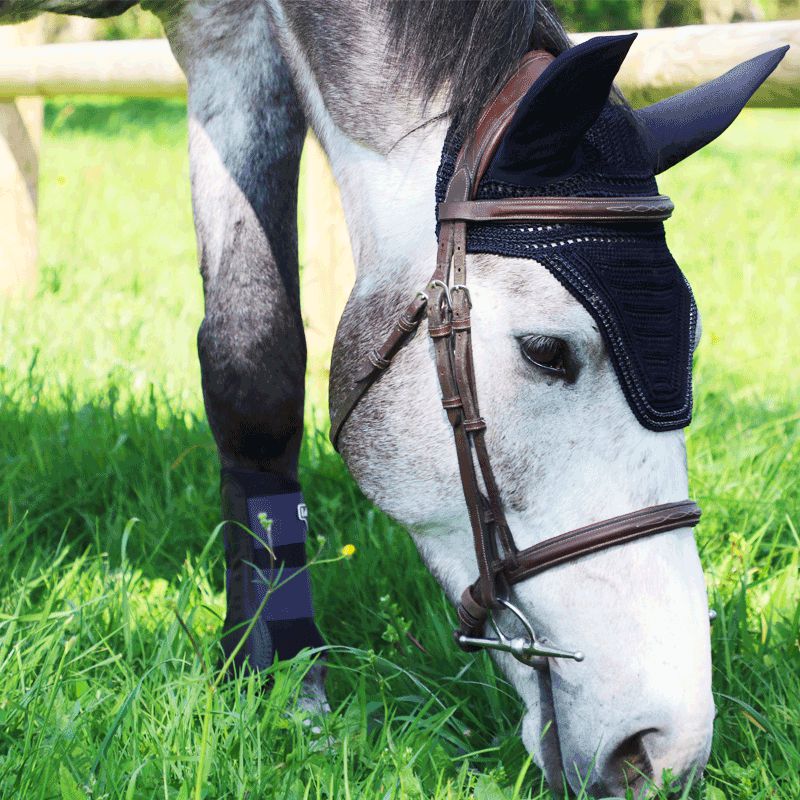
348	550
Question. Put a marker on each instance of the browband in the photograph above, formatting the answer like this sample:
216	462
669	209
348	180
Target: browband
557	209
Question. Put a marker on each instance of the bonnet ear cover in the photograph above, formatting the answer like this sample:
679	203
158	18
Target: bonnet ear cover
543	139
680	125
568	138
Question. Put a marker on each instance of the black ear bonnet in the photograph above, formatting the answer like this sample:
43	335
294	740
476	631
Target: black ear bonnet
569	138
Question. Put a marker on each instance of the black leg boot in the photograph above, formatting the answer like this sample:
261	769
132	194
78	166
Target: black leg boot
265	534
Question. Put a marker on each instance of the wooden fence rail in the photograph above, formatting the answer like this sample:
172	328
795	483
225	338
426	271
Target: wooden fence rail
664	61
661	62
134	68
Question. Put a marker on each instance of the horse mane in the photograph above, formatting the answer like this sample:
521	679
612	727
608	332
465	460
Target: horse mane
467	48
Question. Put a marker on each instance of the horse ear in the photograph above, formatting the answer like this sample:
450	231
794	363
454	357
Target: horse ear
550	121
679	126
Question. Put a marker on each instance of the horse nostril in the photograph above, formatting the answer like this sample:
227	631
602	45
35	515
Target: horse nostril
633	766
628	765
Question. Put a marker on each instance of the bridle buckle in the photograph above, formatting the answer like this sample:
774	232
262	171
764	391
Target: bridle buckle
445	289
461	287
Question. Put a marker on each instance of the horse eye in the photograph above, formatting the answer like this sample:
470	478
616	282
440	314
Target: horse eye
547	353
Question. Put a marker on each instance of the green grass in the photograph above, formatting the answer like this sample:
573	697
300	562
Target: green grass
109	512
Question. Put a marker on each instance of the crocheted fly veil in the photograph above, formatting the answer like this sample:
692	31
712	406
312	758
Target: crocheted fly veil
568	138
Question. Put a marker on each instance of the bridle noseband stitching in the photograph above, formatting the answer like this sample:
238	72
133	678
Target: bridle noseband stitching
446	302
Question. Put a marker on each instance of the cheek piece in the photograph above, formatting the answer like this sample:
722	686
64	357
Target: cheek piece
265	535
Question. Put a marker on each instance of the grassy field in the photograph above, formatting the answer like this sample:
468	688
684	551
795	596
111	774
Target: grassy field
108	485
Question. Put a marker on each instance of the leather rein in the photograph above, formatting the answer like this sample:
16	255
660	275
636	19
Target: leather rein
446	303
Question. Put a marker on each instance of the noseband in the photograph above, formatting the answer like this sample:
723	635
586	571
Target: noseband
446	302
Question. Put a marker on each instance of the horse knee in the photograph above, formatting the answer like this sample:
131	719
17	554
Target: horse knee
253	387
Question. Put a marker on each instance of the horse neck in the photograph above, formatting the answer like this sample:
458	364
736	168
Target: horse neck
379	138
388	200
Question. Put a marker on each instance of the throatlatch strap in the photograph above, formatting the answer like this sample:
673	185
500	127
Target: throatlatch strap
265	555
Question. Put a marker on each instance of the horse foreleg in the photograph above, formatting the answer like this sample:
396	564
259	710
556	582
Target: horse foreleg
246	135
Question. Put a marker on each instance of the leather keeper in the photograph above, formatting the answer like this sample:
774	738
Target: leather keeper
474	611
440	331
471	619
377	360
452	402
408	324
477	424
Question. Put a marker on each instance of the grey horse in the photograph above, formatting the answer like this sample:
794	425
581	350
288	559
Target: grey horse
380	83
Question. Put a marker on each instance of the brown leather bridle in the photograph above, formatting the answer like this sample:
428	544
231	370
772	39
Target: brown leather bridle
446	302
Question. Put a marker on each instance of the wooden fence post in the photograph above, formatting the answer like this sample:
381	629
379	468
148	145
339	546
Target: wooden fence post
20	136
327	271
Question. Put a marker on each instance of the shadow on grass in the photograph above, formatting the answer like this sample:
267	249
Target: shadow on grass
79	473
84	470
